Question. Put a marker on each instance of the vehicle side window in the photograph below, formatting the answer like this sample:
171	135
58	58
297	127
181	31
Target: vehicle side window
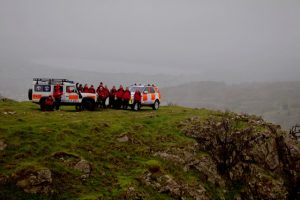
151	90
70	89
147	89
142	89
46	88
42	88
60	88
38	88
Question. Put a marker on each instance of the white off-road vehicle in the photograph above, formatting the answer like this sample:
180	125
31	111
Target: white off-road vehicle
150	96
42	88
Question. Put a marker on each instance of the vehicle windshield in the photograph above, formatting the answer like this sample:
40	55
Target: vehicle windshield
135	88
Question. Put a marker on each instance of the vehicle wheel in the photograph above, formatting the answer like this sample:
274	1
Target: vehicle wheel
30	94
88	104
155	105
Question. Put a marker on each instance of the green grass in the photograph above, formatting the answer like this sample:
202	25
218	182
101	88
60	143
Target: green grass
33	137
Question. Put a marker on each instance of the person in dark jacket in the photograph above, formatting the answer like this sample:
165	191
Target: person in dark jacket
137	100
57	95
125	98
112	97
80	88
119	96
92	89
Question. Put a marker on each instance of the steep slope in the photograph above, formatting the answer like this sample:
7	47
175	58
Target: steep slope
174	153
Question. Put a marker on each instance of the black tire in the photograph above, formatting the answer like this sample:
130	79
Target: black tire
30	94
88	104
155	106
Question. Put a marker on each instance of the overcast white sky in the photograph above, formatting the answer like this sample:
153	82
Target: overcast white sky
224	39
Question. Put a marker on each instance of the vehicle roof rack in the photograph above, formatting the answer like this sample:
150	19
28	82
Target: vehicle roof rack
53	80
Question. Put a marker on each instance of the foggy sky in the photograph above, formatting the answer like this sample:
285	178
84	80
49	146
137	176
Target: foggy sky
226	40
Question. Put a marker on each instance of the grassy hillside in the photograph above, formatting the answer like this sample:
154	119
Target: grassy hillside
33	139
112	154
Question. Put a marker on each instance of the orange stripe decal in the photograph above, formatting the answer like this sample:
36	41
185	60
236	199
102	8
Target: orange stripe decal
73	97
36	96
152	97
145	97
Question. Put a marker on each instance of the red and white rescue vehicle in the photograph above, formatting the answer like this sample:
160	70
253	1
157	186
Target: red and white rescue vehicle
42	88
150	95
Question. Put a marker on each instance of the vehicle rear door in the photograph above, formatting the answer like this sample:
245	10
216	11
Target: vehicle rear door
39	91
152	95
146	96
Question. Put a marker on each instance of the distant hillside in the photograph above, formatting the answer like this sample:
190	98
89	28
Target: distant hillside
15	79
2	98
278	102
172	153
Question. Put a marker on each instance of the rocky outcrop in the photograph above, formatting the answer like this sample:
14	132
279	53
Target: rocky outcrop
84	167
35	181
123	138
204	165
249	152
75	162
165	183
132	194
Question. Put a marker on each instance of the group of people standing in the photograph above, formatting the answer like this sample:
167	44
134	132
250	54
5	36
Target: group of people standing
118	98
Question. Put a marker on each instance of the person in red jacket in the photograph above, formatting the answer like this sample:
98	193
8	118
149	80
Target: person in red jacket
49	104
98	88
92	89
126	97
106	91
137	100
86	88
112	97
101	96
119	96
57	95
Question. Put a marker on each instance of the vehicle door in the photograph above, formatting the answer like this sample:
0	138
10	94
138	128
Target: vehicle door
70	95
